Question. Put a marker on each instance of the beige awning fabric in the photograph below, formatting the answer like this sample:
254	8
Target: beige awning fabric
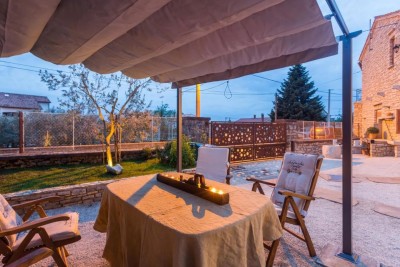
179	41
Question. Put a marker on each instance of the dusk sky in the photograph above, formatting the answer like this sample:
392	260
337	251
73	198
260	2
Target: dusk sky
250	94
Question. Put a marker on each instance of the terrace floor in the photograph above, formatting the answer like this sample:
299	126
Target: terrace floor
374	235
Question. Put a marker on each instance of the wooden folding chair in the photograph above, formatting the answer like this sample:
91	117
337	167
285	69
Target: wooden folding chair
292	195
213	163
22	240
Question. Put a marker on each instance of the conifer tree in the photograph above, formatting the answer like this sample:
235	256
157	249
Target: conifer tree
296	98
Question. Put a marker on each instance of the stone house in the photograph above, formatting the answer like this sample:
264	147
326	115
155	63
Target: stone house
11	104
380	65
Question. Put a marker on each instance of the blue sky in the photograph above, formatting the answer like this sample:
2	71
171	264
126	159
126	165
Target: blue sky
250	94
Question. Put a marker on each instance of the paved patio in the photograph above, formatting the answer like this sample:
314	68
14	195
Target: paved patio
374	235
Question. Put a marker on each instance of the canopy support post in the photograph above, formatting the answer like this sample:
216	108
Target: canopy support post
179	130
347	191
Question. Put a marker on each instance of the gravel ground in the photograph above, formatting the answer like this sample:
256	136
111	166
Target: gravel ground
374	235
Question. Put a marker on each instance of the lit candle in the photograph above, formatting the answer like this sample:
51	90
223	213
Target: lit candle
213	189
220	192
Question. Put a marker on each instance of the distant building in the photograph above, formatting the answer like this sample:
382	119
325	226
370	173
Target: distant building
11	104
380	64
255	119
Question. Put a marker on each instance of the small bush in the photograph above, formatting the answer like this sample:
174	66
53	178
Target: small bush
169	155
148	153
372	130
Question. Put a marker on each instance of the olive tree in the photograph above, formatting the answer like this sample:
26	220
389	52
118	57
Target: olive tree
109	96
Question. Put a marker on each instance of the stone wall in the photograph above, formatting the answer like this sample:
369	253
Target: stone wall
87	194
49	159
380	101
196	128
381	149
309	146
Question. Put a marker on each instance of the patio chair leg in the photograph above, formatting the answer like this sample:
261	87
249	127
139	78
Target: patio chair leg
309	242
303	227
59	258
66	253
272	253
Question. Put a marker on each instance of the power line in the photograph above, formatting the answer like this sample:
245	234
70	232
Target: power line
265	78
19	68
31	66
383	26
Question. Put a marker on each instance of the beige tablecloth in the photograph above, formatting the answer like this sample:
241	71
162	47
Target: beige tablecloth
149	223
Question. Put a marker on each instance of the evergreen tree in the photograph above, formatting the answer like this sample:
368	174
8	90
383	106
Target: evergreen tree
297	99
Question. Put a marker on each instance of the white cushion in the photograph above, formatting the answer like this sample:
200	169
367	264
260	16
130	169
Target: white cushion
8	219
213	162
290	214
296	175
57	231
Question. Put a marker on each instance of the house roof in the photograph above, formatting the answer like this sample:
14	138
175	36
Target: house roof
10	100
374	25
180	41
254	120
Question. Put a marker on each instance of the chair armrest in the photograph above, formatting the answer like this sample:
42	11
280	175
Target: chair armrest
260	181
34	224
292	194
35	202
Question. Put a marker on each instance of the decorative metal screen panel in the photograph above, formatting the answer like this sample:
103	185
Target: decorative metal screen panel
250	141
228	134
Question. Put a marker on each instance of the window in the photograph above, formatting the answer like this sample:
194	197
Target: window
398	121
377	115
391	52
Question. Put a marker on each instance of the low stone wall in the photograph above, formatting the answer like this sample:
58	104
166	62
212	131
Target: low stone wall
381	149
87	194
309	146
77	157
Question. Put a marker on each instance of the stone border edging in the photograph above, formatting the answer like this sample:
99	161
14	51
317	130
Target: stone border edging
87	194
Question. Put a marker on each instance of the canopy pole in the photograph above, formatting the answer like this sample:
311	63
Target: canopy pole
179	130
347	150
347	106
198	100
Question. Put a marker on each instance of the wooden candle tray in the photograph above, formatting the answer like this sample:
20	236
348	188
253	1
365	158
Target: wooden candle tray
188	186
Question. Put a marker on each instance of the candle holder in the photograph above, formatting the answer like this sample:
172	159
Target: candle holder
194	185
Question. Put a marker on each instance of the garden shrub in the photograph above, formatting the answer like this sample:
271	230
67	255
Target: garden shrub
148	153
169	155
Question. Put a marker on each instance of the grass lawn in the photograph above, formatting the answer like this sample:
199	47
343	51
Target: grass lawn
14	180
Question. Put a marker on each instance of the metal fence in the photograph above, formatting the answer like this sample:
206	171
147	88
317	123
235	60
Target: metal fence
307	130
68	130
55	129
250	141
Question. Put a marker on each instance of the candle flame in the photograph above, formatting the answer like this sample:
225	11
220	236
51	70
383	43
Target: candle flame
213	189
220	192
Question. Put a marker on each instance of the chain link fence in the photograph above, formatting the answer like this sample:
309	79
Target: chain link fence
67	129
9	131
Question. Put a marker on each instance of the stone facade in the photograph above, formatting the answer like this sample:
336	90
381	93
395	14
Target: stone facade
309	146
357	121
380	64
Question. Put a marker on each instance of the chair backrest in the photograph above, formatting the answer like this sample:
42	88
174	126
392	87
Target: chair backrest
213	162
8	219
299	174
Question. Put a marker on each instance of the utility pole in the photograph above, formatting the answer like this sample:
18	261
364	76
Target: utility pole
276	107
198	100
329	107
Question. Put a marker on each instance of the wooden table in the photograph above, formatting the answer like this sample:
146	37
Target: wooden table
149	223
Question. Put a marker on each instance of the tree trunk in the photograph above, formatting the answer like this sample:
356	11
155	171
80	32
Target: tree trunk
108	141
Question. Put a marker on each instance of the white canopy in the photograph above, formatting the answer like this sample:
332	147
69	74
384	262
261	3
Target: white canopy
181	41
